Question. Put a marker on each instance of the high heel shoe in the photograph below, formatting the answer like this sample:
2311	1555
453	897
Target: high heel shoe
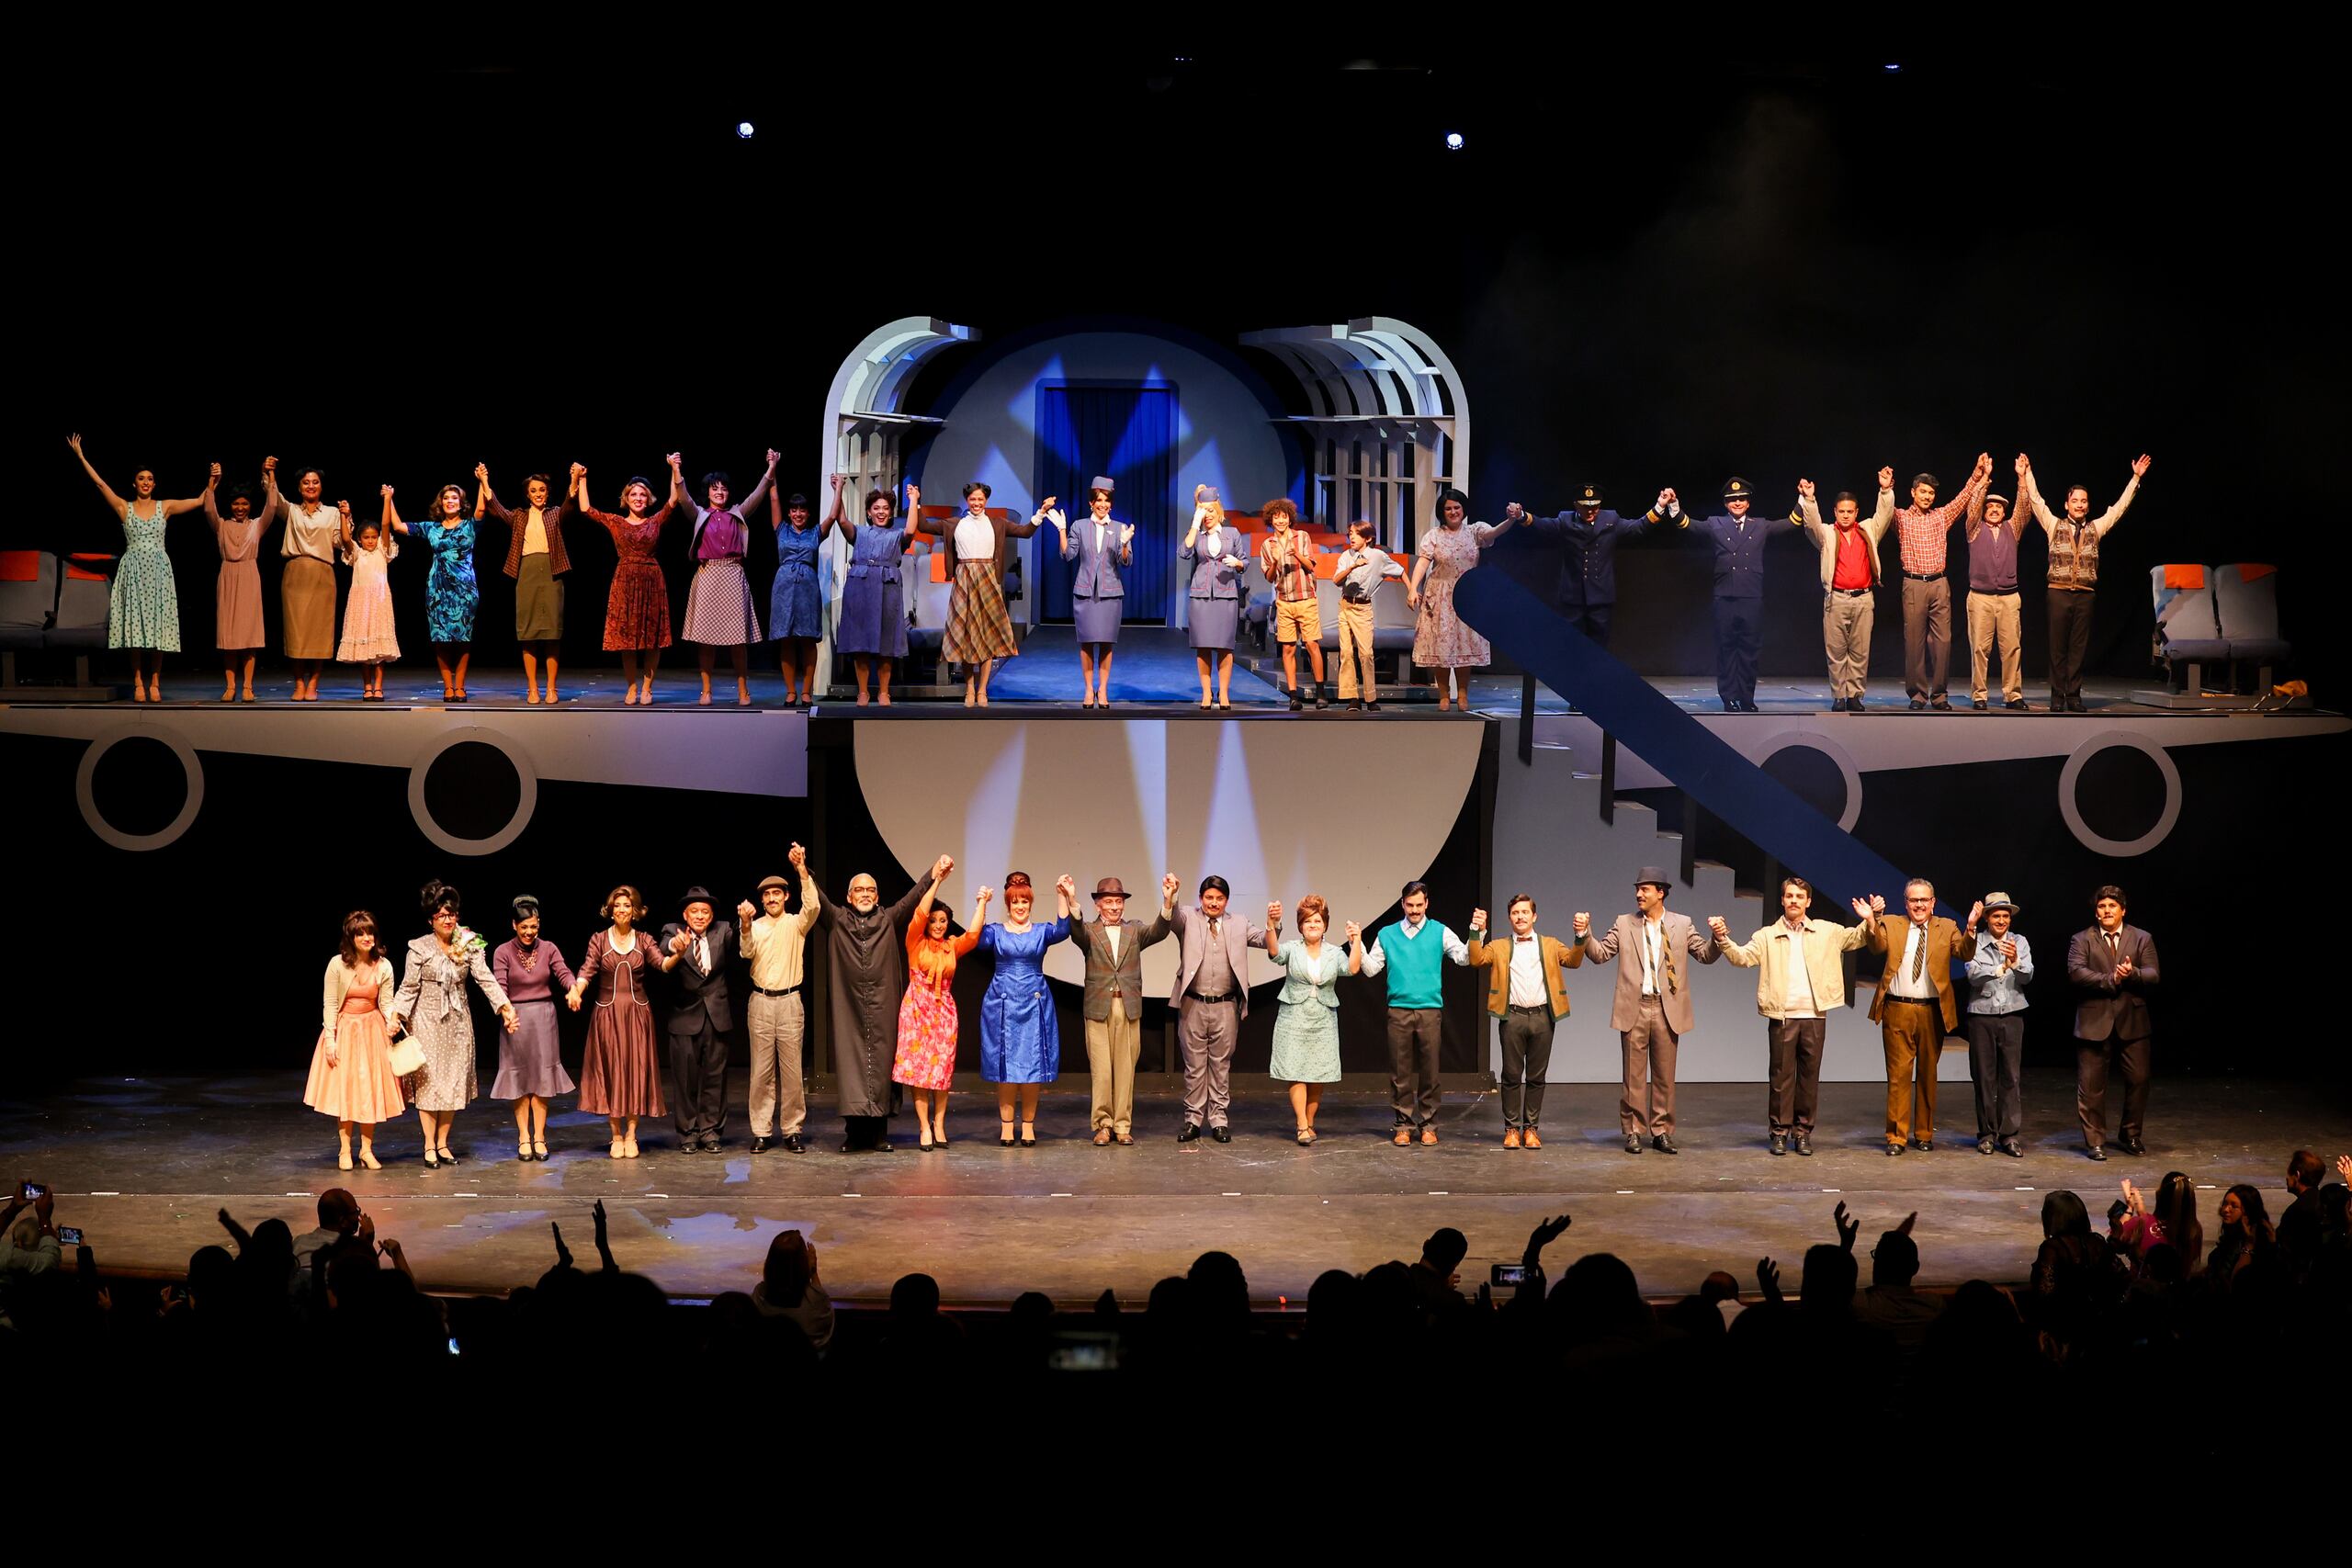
923	1147
1029	1137
342	1159
1005	1139
368	1157
430	1163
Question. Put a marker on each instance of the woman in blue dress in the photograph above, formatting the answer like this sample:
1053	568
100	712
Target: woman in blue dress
1020	1040
450	591
796	603
143	608
873	625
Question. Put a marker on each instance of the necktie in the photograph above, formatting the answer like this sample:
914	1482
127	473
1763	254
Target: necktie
702	955
2114	949
1920	954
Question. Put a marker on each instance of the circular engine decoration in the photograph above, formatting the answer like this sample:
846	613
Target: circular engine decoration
2123	791
472	791
139	787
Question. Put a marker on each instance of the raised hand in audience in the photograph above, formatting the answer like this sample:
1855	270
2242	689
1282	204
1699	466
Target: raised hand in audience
603	1242
1768	1278
1848	1228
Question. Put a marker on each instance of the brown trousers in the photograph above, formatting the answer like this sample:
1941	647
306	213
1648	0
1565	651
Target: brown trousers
1846	633
1647	1103
1113	1045
2092	1058
1914	1033
1355	649
1993	626
1795	1091
1414	1036
1926	636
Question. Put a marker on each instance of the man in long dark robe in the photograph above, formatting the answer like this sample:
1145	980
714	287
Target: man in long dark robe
866	948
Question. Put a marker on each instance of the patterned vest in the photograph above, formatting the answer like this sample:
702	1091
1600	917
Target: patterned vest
2073	554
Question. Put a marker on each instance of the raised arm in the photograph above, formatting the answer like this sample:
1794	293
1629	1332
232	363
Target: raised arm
2114	514
838	518
391	518
104	489
485	498
761	491
211	513
2030	493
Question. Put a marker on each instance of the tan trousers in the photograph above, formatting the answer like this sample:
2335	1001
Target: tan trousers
1113	1047
1355	643
1846	628
778	1101
1914	1039
1647	1104
1993	623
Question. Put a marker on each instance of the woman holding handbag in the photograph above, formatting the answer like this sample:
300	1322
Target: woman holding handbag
352	1074
433	1009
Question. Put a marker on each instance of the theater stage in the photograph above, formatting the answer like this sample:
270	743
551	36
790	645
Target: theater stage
142	1165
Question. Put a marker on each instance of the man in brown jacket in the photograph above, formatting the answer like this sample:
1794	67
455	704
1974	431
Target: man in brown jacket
1914	1007
1524	990
1651	1007
1114	951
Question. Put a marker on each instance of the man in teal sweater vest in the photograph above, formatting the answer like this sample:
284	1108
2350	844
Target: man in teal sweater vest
1414	952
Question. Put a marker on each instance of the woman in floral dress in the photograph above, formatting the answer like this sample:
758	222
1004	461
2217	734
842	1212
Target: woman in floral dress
143	607
925	1062
637	612
1441	642
451	593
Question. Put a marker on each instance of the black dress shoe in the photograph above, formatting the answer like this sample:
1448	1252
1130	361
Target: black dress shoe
1632	1143
1779	1144
1893	1150
2097	1152
1979	703
883	1145
794	1144
1222	1135
1941	704
1853	704
851	1145
2010	1147
1918	705
1373	706
2131	1145
1804	1144
1189	1130
1926	1146
760	1146
2016	706
1983	1146
1664	1144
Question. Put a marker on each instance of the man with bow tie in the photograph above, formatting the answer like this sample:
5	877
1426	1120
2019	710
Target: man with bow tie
2113	967
1525	990
1914	1007
699	1018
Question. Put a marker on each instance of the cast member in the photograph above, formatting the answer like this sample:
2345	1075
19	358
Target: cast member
2113	967
1286	557
432	1006
1101	547
1650	1009
719	611
532	973
351	1072
637	610
701	1017
1915	1008
1800	981
777	1017
143	604
873	625
865	983
1415	950
1998	976
1211	997
1527	995
1114	1005
1217	551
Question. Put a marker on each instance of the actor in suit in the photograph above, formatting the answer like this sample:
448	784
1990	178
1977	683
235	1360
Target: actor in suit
1915	1008
1800	965
1098	596
2113	967
1526	992
1211	997
1587	536
699	1019
1114	949
1738	543
1651	1009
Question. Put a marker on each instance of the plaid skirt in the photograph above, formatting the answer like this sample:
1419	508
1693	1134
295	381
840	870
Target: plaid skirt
978	627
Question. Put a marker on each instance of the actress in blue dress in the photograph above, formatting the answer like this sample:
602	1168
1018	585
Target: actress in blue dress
451	594
797	603
1020	1040
873	625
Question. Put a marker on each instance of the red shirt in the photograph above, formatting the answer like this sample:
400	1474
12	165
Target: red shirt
1288	562
1853	559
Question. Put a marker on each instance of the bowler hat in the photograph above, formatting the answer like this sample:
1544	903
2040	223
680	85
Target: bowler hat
1653	874
697	894
1110	887
1737	489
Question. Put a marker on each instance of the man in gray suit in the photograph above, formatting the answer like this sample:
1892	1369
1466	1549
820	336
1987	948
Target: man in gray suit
2113	967
1114	951
1211	997
1651	1010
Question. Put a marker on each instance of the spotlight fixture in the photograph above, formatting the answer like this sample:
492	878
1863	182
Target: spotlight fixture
1453	142
1891	65
743	130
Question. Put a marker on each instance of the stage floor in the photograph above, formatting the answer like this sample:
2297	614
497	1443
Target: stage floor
142	1165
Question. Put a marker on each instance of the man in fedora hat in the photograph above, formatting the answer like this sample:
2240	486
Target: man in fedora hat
1995	617
1738	542
1114	951
1998	975
1651	1009
776	945
2113	967
1919	530
700	1017
1587	536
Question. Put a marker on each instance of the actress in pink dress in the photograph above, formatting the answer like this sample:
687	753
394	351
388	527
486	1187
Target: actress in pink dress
926	1055
236	621
351	1068
1441	643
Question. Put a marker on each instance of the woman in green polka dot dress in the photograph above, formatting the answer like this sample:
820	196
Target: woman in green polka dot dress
143	609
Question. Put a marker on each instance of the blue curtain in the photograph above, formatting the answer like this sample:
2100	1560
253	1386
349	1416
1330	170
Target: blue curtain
1128	432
